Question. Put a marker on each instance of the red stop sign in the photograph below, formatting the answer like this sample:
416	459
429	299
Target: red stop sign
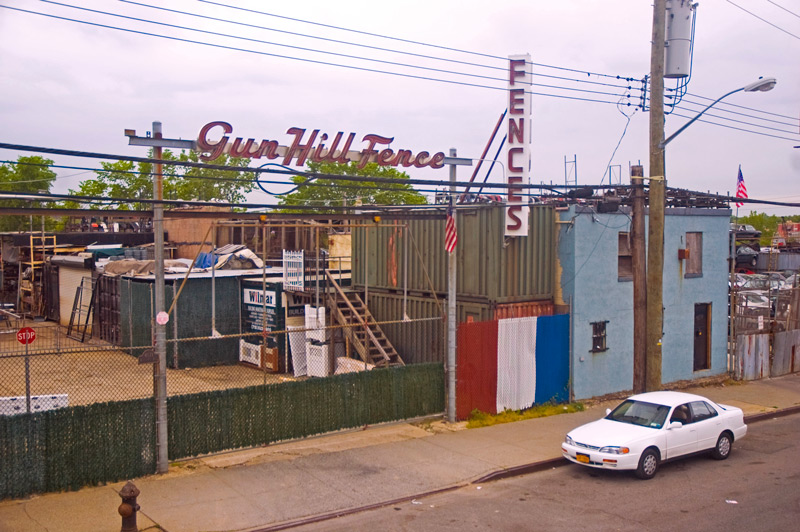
26	335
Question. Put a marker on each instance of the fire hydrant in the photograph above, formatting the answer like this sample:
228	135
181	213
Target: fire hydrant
128	508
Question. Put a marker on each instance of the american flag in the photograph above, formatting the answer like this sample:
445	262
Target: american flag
450	235
741	189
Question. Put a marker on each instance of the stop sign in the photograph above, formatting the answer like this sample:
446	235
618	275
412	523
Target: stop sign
26	335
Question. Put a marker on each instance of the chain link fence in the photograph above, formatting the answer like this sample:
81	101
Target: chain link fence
57	371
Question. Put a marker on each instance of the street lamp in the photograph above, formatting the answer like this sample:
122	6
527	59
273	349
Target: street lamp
761	85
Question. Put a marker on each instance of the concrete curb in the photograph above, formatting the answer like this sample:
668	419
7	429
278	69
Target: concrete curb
500	474
341	513
763	416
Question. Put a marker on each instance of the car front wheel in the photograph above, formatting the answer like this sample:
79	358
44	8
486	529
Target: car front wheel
723	448
648	465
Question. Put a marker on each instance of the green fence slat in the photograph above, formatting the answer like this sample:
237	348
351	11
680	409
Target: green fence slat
72	447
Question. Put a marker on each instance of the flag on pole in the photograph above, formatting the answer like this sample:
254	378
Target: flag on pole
741	189
450	235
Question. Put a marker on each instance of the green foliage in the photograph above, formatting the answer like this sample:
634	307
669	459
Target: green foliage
128	181
30	174
333	193
766	223
482	419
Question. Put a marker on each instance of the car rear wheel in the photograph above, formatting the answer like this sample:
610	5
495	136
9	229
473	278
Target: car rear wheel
723	448
648	465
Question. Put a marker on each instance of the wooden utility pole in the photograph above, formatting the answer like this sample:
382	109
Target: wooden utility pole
639	280
655	247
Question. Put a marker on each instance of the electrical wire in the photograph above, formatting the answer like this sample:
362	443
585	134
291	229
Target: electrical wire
763	20
378	48
350	66
332	177
447	48
624	130
313	61
728	104
719	109
781	7
737	128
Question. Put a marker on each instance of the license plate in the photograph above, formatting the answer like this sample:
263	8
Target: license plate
580	457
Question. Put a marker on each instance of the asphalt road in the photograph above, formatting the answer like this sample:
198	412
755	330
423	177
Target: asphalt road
757	488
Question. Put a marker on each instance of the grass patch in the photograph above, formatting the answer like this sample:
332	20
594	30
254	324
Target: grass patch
482	419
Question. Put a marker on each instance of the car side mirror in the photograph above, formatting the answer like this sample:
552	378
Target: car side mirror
674	425
608	411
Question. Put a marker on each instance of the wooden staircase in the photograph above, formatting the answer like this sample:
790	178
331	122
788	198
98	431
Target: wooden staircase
363	334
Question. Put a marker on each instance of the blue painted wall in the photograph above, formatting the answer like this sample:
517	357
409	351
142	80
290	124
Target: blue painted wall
588	256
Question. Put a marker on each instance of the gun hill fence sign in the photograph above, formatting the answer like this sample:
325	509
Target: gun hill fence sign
313	147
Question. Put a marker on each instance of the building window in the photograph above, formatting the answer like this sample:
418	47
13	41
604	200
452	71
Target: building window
599	337
694	262
624	258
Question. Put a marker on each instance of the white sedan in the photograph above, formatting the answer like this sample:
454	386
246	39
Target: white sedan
650	428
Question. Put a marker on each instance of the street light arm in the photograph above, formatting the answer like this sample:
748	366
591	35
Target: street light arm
690	122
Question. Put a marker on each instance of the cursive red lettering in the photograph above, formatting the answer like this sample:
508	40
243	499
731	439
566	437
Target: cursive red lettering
301	151
422	159
437	161
370	151
214	149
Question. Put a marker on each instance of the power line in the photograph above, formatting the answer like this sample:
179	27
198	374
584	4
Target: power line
351	67
728	104
702	105
737	128
781	7
378	48
764	20
447	48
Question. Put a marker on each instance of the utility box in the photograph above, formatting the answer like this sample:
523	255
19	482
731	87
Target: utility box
678	49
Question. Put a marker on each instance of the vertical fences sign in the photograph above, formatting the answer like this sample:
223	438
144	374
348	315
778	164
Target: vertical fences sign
518	162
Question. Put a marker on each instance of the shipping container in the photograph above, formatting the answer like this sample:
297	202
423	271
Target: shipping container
411	256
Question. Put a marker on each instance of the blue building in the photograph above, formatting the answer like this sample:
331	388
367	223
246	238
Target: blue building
595	278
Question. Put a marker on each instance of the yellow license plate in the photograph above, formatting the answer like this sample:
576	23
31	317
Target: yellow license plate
580	457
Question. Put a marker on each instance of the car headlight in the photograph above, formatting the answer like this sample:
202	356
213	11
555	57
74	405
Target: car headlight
614	449
569	441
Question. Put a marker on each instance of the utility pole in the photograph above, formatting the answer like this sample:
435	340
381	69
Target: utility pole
452	260
160	336
451	307
655	247
160	316
639	281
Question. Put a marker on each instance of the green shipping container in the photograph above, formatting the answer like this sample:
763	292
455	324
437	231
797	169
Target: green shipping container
490	267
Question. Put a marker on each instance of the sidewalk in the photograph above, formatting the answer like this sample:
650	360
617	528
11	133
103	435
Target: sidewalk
261	489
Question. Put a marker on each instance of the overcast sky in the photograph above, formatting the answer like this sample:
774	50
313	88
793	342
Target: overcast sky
76	86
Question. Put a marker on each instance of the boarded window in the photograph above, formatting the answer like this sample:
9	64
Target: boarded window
694	262
599	336
624	258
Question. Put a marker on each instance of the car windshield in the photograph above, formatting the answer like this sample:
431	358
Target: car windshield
640	413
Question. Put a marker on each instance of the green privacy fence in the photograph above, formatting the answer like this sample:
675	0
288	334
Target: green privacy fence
230	419
69	448
79	446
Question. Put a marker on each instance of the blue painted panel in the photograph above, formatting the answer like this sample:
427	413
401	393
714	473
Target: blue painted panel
552	359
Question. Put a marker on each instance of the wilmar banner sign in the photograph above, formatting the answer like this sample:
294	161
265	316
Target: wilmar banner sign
518	163
314	146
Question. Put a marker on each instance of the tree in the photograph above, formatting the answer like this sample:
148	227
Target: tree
129	181
334	193
29	174
766	223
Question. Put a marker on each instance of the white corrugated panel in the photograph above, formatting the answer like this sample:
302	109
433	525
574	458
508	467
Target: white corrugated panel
69	279
516	363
